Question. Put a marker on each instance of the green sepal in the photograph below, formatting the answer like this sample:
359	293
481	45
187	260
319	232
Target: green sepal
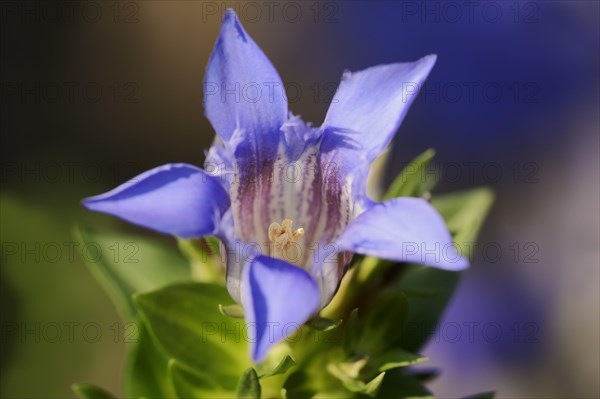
349	373
281	368
370	388
396	358
249	386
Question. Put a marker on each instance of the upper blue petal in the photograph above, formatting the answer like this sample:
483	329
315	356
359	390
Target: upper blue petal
403	230
367	109
176	199
243	92
278	298
369	105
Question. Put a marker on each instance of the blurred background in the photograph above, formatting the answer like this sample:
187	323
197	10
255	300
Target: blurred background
93	93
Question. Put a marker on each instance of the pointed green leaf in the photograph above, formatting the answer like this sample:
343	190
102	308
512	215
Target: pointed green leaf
281	368
353	384
187	384
186	321
249	387
413	181
373	386
88	391
396	358
146	368
347	371
125	264
323	324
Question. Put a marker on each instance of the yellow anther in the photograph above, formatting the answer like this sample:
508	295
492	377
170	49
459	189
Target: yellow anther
283	234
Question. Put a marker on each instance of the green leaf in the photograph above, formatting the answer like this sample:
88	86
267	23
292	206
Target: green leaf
146	368
396	385
88	391
233	311
424	311
396	358
323	324
186	321
464	213
348	374
373	386
298	385
187	384
281	368
352	332
249	387
383	323
412	181
125	264
346	371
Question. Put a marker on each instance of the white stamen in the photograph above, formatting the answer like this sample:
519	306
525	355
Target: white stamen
283	235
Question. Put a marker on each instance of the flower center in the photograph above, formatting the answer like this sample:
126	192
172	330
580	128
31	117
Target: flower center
282	234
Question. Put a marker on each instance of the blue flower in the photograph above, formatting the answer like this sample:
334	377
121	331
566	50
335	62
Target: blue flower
288	200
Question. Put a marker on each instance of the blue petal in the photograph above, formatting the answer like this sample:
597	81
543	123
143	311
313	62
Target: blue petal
278	298
369	105
364	115
243	92
403	230
176	199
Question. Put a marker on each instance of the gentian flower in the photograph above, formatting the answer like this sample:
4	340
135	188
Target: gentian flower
288	200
